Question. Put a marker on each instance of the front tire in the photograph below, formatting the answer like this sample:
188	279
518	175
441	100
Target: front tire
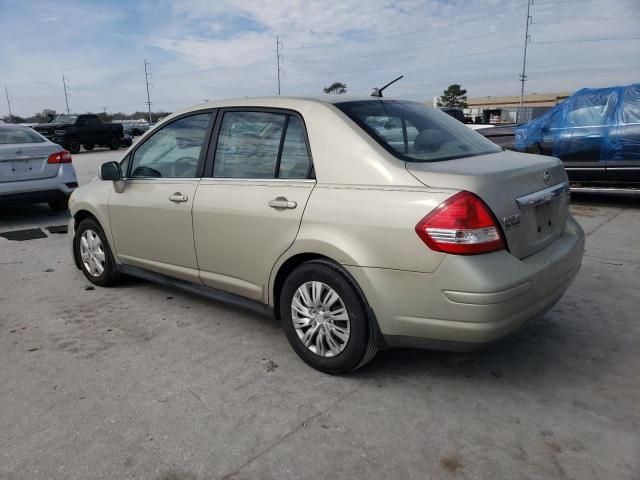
89	146
94	254
114	143
325	318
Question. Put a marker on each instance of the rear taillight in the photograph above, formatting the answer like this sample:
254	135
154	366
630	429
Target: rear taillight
59	157
462	225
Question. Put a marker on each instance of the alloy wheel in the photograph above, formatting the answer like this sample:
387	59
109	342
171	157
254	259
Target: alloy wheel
320	319
92	253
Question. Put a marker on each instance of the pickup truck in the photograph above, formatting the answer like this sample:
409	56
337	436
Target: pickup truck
71	131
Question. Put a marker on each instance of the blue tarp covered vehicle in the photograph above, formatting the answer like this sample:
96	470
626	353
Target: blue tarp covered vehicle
596	132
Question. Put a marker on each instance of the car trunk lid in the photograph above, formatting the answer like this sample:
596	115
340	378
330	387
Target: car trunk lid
528	194
20	162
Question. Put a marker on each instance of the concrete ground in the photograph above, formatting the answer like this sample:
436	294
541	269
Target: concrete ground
141	381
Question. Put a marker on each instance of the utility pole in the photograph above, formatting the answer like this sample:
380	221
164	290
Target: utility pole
279	57
66	95
523	75
6	92
147	76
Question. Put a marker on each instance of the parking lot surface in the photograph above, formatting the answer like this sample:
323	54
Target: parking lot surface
141	381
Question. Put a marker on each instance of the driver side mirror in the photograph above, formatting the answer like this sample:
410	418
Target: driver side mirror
110	171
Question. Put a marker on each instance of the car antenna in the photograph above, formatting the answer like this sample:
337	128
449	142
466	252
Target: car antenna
377	92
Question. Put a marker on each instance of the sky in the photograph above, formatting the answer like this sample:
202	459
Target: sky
202	50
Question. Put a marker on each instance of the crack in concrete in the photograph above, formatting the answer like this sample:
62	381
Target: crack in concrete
289	434
624	209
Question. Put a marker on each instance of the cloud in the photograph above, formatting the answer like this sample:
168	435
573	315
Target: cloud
201	49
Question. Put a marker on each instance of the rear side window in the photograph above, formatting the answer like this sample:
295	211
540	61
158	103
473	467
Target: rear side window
294	162
416	133
261	145
13	135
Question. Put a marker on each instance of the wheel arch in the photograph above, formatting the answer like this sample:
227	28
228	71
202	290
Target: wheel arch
78	217
286	266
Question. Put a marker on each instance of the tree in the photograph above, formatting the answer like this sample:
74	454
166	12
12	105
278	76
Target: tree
453	96
336	87
44	117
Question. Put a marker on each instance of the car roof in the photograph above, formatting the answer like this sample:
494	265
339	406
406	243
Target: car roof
284	101
14	125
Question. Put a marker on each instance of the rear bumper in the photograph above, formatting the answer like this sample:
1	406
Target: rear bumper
40	190
470	300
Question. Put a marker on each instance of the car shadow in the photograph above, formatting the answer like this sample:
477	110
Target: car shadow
29	216
548	354
606	199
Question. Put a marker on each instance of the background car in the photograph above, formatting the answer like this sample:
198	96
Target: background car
595	132
503	136
34	169
72	131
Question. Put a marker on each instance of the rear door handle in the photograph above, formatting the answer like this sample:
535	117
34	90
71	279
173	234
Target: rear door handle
282	202
178	197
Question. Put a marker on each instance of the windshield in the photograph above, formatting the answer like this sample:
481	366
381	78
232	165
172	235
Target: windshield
416	133
13	135
65	119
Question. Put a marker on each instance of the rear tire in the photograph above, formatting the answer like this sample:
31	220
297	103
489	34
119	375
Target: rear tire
114	143
74	147
59	205
89	146
94	254
334	337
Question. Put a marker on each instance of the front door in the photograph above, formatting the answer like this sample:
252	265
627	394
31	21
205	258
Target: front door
151	221
579	141
248	211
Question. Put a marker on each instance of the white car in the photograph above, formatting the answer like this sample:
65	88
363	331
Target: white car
33	169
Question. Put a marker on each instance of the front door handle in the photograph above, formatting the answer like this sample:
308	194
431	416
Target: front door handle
178	197
281	203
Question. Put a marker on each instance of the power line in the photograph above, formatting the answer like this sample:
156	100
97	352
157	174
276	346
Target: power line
446	25
590	40
66	95
422	47
523	75
147	75
446	59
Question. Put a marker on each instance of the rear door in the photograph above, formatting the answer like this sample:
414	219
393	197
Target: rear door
24	154
623	145
579	140
248	211
151	219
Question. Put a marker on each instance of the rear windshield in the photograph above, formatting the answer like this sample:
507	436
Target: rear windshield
13	135
416	133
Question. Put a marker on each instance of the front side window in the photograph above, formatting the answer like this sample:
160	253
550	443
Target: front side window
261	145
416	133
174	150
591	109
13	135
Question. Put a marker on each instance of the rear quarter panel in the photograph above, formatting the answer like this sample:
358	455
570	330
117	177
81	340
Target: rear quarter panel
367	226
